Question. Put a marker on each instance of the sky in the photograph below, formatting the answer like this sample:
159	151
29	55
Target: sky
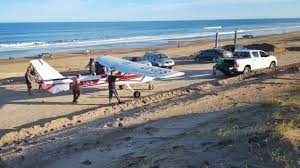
144	10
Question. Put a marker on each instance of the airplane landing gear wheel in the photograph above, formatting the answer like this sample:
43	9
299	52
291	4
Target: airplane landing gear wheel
137	94
151	87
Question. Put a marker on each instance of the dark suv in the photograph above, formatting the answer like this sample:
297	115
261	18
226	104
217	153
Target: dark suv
211	55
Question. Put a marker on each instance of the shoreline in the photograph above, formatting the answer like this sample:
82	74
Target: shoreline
75	61
169	44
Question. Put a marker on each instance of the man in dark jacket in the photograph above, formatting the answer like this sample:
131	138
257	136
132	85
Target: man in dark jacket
112	87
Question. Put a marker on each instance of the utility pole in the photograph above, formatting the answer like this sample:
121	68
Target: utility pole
217	40
235	37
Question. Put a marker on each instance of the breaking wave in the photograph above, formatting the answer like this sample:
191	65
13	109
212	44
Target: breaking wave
86	43
215	27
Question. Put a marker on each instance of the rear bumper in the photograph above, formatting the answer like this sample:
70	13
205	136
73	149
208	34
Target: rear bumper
229	70
166	66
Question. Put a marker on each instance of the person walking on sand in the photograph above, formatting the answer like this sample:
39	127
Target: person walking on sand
76	88
29	80
92	66
112	87
218	65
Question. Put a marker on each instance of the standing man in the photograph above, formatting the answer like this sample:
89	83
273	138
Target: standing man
75	88
29	80
92	66
112	87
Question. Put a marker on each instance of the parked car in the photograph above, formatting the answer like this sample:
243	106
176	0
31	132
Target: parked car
233	48
245	61
159	59
212	55
247	36
45	55
137	59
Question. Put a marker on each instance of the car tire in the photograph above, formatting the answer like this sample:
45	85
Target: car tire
247	70
273	66
136	94
226	73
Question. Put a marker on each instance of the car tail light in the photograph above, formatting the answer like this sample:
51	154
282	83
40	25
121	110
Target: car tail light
236	64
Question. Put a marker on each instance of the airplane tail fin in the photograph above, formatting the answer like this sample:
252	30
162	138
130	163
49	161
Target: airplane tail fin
52	80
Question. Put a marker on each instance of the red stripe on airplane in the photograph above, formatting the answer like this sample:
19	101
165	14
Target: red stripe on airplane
128	77
48	86
89	83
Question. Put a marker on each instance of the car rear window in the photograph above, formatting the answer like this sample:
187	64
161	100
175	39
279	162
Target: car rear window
208	52
243	54
162	56
220	50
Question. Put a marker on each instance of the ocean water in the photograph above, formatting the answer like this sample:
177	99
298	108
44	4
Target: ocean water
30	39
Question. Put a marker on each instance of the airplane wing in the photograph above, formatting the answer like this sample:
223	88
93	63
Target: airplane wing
45	71
130	67
53	81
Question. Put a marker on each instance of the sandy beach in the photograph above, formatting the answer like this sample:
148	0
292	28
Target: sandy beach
157	124
19	110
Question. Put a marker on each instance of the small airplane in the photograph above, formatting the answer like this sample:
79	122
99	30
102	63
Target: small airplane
132	73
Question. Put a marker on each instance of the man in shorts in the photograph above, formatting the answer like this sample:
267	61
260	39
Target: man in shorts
112	87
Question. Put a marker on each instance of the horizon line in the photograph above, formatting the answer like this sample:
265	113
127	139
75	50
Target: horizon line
150	20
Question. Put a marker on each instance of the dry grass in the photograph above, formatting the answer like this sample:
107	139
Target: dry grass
280	159
271	102
276	137
226	133
288	118
287	126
